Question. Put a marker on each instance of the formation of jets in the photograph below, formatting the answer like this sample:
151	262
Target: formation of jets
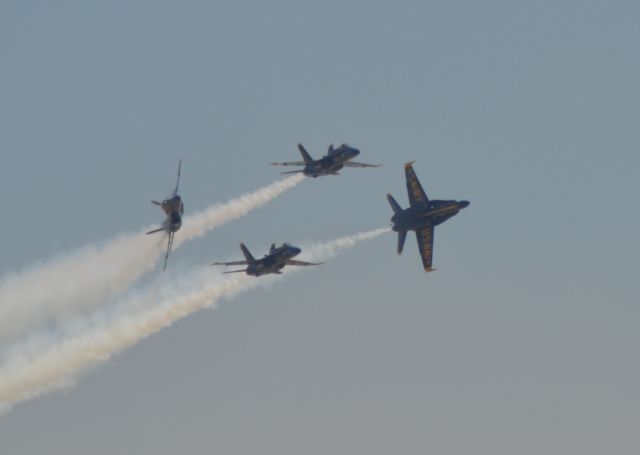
422	215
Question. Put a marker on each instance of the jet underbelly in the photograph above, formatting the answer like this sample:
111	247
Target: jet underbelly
439	219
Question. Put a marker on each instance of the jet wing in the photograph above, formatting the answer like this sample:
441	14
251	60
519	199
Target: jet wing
425	245
417	196
294	262
289	163
231	263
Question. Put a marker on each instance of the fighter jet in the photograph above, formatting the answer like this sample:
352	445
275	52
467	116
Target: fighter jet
174	209
422	216
330	164
273	262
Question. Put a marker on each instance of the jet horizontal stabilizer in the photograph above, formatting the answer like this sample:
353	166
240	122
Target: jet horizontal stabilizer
288	163
302	263
231	263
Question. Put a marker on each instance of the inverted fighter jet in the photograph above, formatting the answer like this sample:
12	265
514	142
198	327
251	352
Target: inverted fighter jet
173	207
330	164
422	216
273	262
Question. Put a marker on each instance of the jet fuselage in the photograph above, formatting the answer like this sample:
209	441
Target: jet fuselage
331	163
436	212
274	261
174	209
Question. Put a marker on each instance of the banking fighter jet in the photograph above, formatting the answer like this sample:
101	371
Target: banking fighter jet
173	207
330	164
422	216
273	262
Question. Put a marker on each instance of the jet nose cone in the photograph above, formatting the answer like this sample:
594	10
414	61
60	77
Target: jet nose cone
355	152
463	204
295	250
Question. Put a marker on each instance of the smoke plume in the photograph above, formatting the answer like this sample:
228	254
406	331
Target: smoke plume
50	362
80	280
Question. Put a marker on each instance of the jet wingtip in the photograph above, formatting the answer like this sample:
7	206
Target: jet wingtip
430	269
408	165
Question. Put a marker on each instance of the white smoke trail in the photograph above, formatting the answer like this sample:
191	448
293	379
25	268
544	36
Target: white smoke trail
323	251
80	280
52	362
73	282
202	222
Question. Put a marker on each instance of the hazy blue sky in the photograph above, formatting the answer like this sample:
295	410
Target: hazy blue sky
524	341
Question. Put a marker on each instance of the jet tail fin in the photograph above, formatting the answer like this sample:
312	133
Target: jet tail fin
248	256
169	247
402	236
394	205
178	181
305	155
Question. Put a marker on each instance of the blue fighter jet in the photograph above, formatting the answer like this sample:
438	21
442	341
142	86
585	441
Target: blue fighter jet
173	207
273	262
330	164
422	216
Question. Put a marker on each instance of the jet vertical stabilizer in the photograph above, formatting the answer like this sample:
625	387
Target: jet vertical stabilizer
394	205
248	256
305	155
402	236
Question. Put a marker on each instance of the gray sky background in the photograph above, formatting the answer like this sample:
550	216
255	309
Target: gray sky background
524	341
